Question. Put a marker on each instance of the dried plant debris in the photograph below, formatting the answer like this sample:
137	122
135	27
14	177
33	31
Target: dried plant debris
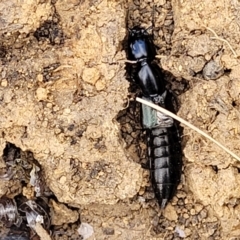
30	219
35	180
27	214
8	212
11	153
48	72
22	165
36	211
21	214
16	234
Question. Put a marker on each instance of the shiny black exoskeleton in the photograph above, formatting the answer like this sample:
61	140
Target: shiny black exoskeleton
140	44
164	147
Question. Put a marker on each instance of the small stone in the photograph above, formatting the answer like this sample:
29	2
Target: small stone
66	111
128	139
49	105
100	85
170	213
180	202
57	130
203	213
213	70
55	108
187	232
4	83
85	230
108	231
198	207
141	191
201	216
45	124
62	180
28	192
181	194
128	128
40	78
179	186
93	132
90	75
208	56
192	211
180	232
60	214
195	220
135	207
174	200
161	2
41	94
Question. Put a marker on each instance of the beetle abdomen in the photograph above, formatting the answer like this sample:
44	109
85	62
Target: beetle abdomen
164	152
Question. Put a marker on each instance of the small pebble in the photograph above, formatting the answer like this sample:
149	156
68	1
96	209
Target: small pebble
4	83
192	211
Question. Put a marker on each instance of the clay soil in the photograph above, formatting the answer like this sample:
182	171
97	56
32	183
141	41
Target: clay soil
67	107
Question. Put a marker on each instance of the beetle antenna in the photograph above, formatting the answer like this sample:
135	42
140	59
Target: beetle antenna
153	20
152	26
126	19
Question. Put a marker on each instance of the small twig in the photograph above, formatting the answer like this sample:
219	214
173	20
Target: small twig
221	39
126	61
130	61
41	232
163	110
160	56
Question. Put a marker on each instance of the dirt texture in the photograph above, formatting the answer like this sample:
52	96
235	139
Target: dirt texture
76	137
23	16
204	37
65	98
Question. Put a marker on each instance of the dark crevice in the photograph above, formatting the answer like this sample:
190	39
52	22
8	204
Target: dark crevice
234	104
227	71
214	168
238	169
50	30
16	210
3	51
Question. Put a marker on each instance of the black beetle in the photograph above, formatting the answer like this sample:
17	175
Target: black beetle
163	140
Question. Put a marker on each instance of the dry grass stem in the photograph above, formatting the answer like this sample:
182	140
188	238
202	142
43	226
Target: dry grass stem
221	39
160	56
130	61
163	110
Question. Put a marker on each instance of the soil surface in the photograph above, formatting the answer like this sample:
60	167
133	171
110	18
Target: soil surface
70	132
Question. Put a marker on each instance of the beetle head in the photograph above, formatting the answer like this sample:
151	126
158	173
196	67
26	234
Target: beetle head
138	32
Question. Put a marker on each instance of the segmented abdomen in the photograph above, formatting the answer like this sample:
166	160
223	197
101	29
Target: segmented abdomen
165	156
